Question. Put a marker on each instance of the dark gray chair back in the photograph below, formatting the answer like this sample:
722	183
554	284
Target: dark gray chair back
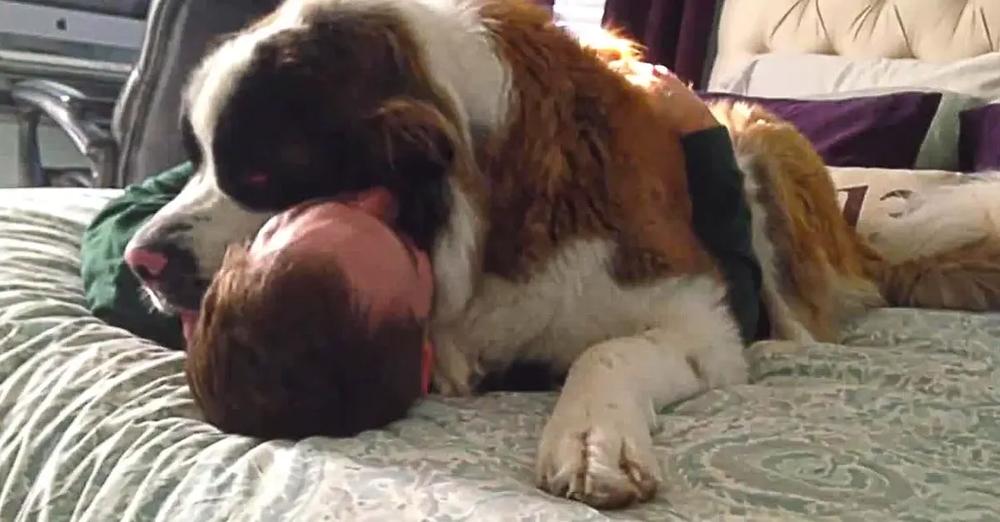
179	32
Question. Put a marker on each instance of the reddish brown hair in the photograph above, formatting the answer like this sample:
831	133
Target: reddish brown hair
286	352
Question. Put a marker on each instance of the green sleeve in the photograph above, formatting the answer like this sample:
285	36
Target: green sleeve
112	291
721	218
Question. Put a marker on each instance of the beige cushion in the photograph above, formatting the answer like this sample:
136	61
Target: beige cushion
871	197
907	214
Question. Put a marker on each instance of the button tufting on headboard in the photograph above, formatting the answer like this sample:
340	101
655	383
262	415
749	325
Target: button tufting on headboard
929	30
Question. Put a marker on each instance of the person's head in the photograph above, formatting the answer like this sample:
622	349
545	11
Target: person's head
317	327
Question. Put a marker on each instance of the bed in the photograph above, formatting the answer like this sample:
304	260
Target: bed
900	420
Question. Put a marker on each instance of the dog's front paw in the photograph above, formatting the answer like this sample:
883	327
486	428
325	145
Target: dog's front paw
598	456
456	373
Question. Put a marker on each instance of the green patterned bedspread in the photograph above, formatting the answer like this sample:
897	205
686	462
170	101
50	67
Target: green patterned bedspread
901	422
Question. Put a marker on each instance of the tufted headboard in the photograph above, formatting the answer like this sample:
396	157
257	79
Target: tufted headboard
927	30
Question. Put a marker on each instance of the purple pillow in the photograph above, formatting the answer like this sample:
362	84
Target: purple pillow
878	131
979	139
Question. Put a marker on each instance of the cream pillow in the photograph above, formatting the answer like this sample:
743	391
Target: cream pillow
870	198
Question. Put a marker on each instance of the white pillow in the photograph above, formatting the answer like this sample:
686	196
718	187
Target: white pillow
794	75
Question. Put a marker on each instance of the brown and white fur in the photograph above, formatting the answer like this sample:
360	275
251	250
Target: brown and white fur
943	252
565	226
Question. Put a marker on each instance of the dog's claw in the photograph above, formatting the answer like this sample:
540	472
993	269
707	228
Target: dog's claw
608	464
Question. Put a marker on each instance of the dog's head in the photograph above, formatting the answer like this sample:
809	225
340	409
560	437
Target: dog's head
319	99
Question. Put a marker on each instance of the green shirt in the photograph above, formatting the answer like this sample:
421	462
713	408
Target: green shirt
721	220
112	290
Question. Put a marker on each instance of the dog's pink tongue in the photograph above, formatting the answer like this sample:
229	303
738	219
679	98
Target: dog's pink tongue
189	320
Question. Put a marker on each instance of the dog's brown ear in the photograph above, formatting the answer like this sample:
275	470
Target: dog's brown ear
414	149
414	140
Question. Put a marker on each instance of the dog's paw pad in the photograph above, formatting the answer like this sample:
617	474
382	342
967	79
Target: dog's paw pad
599	465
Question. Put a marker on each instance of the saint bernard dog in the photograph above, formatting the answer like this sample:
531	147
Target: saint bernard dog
553	201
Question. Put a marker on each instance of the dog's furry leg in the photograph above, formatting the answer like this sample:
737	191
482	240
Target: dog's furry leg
597	446
814	266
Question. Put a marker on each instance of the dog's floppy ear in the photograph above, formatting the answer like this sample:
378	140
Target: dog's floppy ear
414	149
414	140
